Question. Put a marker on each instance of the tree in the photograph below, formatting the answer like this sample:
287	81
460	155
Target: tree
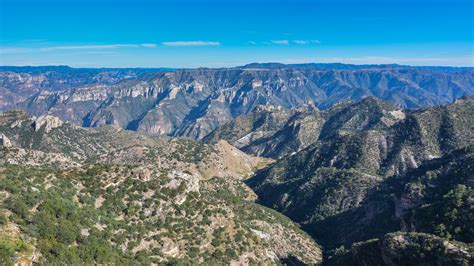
66	232
46	224
7	251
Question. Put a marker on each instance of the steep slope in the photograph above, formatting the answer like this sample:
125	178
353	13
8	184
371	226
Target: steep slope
345	186
405	249
436	198
298	132
75	195
304	126
194	102
262	122
271	132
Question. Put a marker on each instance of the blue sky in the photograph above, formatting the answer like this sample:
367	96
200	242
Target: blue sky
211	33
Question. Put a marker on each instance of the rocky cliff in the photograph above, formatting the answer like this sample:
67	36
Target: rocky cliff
194	102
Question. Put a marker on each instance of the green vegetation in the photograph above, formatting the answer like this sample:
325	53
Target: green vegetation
404	249
375	170
73	216
451	217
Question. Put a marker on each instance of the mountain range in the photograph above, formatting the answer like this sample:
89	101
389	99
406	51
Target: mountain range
303	164
194	102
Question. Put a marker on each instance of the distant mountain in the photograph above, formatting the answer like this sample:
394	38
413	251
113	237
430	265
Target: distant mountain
193	103
35	70
341	66
17	84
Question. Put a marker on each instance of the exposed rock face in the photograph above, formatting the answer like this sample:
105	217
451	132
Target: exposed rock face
241	132
141	173
17	84
194	102
4	141
271	132
48	121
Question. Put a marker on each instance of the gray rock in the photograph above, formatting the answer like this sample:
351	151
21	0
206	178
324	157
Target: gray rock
48	121
4	141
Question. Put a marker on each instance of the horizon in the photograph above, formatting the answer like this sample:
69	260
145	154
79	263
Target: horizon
218	34
239	66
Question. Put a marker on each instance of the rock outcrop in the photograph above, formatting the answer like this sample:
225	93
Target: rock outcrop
49	122
4	141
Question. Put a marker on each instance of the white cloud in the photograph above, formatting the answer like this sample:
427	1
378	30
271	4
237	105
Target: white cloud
191	43
16	50
148	45
307	41
287	42
13	50
96	47
283	42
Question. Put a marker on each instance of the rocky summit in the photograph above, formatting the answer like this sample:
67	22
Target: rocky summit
309	164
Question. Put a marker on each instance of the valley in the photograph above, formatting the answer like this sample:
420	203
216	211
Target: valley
313	164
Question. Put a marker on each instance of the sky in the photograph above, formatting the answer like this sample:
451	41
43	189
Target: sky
223	33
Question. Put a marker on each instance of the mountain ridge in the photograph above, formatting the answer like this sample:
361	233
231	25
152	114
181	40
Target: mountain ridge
194	102
359	183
